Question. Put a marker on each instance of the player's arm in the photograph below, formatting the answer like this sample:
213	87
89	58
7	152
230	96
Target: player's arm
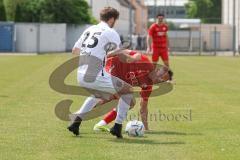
125	57
75	51
77	46
120	49
149	42
149	39
144	112
167	38
167	44
117	52
145	93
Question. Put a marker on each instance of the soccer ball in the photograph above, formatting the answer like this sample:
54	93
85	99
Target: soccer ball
135	128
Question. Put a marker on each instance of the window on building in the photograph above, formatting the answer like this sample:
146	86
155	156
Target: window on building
180	12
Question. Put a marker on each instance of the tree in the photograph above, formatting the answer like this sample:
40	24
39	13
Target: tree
54	11
2	11
208	10
68	11
29	11
172	26
10	8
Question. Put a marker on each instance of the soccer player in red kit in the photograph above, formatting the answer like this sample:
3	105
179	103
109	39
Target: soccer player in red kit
139	73
157	40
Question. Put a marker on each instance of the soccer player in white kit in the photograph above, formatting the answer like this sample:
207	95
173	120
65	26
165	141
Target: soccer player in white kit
94	45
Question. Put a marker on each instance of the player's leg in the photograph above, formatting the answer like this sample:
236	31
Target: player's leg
123	107
164	56
106	85
111	116
108	118
125	91
103	87
87	106
155	56
144	112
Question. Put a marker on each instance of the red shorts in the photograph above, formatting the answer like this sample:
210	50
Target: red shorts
157	52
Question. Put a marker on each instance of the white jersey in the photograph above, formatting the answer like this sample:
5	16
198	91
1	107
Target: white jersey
96	41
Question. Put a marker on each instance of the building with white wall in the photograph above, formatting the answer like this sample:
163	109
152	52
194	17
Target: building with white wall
228	8
140	17
171	8
122	25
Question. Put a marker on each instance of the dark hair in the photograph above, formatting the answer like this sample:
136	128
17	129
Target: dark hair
108	13
160	15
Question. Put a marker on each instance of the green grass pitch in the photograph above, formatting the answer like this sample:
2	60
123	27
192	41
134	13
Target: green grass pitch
208	86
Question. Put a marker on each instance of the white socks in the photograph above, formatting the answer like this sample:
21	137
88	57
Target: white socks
101	123
88	105
123	107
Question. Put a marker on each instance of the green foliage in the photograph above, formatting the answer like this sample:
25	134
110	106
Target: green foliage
10	8
65	11
54	11
2	11
172	26
29	11
208	10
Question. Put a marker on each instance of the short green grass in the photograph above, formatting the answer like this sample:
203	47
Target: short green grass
208	86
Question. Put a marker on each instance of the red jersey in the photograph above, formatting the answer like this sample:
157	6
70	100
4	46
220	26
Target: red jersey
135	73
159	35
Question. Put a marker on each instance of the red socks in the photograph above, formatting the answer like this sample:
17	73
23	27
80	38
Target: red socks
110	116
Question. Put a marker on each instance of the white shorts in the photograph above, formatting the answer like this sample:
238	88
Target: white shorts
101	84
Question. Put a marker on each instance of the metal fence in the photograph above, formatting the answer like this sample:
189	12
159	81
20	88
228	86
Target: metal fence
38	37
184	38
198	39
202	39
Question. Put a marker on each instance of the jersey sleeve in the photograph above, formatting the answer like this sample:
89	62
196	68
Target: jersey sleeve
150	30
79	42
146	92
114	37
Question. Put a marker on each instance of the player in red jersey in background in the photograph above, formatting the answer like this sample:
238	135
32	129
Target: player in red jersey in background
157	40
139	73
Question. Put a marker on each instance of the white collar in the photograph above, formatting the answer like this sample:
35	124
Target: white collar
104	24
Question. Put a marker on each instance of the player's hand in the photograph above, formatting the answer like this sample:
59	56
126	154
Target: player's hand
134	58
137	56
75	51
149	51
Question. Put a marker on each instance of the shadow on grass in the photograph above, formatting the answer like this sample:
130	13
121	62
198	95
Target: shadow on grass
138	140
3	96
144	141
126	140
173	133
